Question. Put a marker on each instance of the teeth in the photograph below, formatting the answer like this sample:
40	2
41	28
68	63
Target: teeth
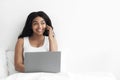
39	30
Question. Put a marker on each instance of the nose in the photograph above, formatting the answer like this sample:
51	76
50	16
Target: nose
40	26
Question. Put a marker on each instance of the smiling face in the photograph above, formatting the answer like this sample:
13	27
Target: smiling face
38	26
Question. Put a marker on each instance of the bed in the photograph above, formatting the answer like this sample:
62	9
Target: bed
7	72
60	76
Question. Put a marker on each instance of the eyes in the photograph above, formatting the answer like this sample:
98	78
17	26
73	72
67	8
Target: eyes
37	23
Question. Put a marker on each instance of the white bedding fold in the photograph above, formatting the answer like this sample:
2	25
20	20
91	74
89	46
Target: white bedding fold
38	76
61	76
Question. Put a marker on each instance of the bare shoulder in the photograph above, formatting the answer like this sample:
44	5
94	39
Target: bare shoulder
20	41
19	45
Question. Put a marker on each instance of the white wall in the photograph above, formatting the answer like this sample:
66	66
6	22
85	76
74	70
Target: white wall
88	31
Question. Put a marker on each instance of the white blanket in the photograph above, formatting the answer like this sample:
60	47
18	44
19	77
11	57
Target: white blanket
61	76
92	76
38	76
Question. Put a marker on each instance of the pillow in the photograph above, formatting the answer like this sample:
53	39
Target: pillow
3	64
10	62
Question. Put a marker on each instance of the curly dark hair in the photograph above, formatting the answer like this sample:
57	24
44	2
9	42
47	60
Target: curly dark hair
27	30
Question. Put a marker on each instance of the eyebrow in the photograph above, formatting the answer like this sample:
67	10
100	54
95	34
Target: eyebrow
40	21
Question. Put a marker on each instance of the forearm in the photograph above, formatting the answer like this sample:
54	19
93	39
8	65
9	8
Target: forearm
19	67
53	44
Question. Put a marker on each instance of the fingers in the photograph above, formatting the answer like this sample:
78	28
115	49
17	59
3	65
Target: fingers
51	32
48	27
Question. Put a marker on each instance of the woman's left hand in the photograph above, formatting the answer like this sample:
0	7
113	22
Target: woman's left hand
52	40
50	32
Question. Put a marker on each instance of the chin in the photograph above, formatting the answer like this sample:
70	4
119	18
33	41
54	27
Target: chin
39	34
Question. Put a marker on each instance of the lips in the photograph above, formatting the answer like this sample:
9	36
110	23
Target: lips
39	30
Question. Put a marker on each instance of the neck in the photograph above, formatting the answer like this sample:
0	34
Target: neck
37	37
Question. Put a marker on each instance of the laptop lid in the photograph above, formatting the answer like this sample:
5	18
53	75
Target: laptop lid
42	62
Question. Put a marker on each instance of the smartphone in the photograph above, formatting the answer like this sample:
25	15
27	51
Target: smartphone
46	33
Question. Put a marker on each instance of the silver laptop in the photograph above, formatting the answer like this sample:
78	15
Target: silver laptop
42	62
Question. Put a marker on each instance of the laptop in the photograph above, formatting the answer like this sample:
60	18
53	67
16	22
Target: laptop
42	62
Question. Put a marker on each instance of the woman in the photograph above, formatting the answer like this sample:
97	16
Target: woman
36	36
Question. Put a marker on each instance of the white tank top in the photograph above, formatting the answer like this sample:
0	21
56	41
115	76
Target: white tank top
28	48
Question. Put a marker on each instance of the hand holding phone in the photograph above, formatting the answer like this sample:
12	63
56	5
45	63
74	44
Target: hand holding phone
49	31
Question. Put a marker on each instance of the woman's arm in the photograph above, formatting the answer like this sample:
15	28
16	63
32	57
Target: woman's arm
18	58
52	40
53	44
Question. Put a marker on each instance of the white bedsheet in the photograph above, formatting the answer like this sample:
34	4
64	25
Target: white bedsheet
38	76
61	76
92	76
